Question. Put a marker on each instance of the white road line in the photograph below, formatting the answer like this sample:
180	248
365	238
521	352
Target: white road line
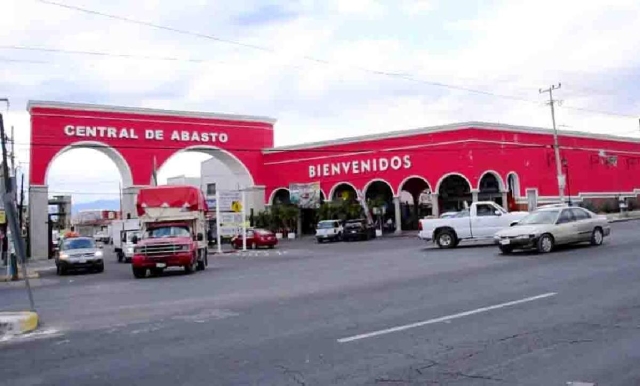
444	318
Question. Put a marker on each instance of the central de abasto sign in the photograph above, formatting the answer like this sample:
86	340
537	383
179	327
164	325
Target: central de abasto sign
150	134
360	166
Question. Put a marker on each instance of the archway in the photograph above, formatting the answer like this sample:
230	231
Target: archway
139	141
454	192
418	204
280	196
513	191
379	196
343	191
490	188
86	201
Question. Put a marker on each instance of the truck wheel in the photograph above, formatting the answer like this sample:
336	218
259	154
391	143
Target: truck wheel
155	272
206	257
191	268
446	239
139	273
201	263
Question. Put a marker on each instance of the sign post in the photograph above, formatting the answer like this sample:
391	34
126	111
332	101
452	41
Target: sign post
218	238
244	222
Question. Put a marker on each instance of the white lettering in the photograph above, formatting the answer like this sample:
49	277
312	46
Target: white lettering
223	137
214	137
112	132
184	136
312	171
80	132
396	163
175	136
384	164
204	137
91	131
355	167
345	167
365	165
335	169
195	136
101	130
149	134
132	134
124	133
407	161
159	135
325	170
69	130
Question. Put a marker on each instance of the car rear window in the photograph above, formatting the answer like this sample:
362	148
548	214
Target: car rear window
326	224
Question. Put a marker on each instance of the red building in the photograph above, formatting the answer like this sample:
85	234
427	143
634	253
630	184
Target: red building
441	166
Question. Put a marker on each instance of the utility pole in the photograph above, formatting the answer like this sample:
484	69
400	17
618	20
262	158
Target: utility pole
21	205
556	147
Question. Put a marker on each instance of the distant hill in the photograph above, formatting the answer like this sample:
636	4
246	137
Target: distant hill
99	204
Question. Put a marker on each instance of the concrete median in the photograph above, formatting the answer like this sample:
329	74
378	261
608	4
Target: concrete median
15	323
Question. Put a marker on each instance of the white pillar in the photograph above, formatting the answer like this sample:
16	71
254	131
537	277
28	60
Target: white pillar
398	215
435	206
505	204
39	221
129	197
474	194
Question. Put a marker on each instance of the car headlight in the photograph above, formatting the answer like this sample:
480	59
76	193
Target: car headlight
98	254
182	248
525	237
63	256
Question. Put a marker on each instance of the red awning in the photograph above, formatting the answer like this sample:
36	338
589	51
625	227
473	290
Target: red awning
171	196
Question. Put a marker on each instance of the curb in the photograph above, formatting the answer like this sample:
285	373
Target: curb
624	219
31	275
15	323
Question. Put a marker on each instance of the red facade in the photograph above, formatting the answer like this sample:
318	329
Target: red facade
138	139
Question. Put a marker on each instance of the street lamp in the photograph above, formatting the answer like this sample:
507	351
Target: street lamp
565	165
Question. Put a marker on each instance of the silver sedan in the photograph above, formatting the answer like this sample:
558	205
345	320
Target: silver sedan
545	228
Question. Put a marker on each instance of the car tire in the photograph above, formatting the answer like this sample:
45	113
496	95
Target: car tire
206	257
100	269
545	243
201	264
446	239
120	257
155	272
505	249
60	270
139	273
597	237
271	246
192	267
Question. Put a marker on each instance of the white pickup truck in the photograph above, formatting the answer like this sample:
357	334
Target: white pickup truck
478	223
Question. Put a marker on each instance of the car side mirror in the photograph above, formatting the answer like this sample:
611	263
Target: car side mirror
200	237
497	213
134	240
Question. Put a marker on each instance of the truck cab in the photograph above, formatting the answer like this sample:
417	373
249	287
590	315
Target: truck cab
172	230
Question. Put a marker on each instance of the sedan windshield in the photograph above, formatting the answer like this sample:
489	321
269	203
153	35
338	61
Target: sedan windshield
541	217
168	231
325	224
78	244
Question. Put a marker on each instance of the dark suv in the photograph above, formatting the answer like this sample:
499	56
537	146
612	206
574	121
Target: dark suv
358	230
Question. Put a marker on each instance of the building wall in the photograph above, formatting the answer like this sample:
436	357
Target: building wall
183	180
470	152
213	171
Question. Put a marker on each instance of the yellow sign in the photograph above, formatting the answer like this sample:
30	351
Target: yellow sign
3	217
236	206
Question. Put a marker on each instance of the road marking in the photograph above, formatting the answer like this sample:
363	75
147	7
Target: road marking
443	318
580	384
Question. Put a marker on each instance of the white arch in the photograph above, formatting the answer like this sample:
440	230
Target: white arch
516	180
368	185
496	175
111	152
333	189
410	177
228	159
272	196
439	184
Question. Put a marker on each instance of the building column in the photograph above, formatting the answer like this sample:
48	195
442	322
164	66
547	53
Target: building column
39	222
435	205
129	197
474	195
398	220
505	204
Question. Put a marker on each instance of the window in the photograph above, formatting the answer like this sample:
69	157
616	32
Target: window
580	214
77	244
211	189
566	217
485	210
168	231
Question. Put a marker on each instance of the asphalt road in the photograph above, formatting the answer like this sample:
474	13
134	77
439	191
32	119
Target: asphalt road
384	312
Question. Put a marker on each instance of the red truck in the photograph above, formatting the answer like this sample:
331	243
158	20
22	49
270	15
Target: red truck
173	230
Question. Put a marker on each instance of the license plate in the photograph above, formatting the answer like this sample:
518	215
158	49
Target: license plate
505	242
161	265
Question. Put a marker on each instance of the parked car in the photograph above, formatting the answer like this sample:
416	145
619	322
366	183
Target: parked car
256	238
359	230
547	227
478	223
79	253
331	230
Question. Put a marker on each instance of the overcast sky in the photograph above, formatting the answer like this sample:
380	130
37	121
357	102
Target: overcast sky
312	65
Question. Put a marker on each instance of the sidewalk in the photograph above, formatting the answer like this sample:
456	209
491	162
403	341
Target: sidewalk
625	216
